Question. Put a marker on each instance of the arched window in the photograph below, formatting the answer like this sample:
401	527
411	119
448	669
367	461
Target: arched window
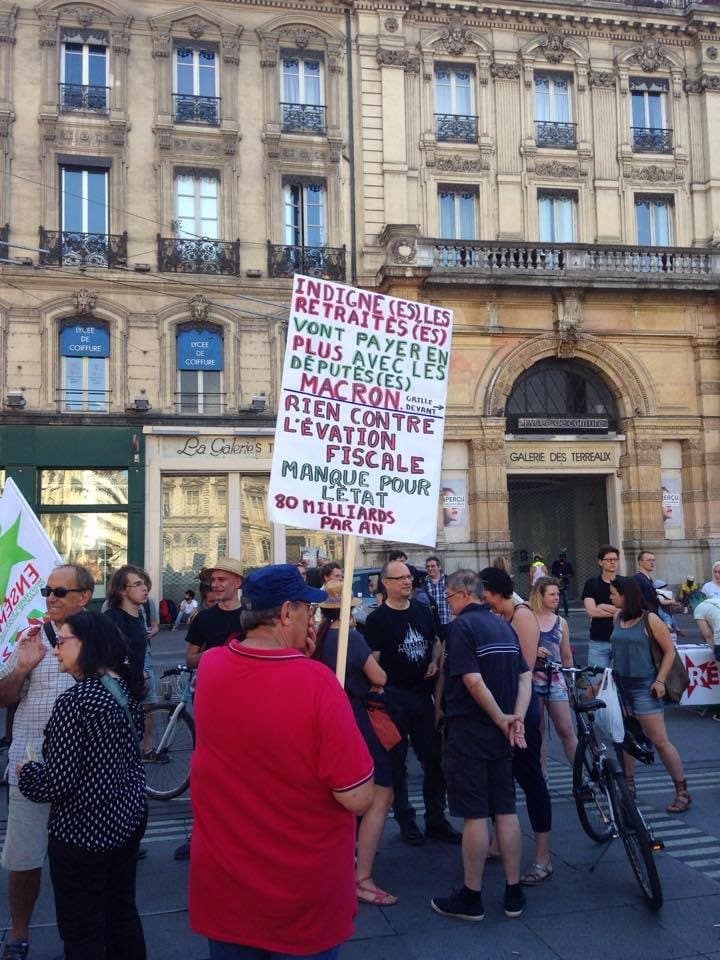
561	396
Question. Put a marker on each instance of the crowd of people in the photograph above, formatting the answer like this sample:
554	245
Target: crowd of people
454	666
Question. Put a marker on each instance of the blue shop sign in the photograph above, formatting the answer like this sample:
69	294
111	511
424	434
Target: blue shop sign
85	342
199	350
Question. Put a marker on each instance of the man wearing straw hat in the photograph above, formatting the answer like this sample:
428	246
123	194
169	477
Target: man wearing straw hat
279	773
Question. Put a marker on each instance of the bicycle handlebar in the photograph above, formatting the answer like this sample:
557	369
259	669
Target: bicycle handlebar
176	671
577	671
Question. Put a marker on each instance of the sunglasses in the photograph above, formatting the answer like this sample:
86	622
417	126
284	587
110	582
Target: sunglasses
59	592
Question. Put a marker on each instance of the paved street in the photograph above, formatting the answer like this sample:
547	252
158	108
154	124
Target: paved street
591	908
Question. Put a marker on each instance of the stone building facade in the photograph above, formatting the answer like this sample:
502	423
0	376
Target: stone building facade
546	169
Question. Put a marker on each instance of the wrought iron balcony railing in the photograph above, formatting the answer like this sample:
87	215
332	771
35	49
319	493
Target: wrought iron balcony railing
198	255
79	96
303	118
571	260
651	140
83	401
549	133
326	262
209	404
190	109
457	127
69	248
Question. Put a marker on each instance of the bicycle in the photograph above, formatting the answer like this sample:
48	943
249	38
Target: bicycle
605	804
167	762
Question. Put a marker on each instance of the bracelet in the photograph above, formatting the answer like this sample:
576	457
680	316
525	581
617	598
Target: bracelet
659	681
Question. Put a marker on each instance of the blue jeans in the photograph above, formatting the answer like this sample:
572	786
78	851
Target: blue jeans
235	951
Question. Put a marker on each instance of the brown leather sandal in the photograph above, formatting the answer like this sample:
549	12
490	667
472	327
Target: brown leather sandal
682	799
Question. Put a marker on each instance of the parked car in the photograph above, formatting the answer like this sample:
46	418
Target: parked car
365	584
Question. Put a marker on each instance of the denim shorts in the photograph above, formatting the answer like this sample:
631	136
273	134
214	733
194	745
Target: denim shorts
637	691
598	654
555	691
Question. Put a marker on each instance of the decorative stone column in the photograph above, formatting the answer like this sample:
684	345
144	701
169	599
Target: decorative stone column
489	523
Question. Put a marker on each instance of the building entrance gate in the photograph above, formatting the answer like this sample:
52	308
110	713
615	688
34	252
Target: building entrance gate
549	513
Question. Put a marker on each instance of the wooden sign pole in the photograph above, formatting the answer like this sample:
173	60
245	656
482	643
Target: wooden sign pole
346	599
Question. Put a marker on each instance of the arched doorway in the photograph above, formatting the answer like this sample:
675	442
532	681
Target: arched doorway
563	421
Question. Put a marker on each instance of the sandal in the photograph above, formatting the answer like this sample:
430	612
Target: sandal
536	875
374	895
682	799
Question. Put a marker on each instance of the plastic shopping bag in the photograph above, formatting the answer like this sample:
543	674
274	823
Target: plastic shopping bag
610	718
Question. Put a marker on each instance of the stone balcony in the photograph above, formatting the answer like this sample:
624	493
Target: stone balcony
496	263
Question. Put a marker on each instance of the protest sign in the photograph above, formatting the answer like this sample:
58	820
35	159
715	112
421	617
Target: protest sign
27	556
359	436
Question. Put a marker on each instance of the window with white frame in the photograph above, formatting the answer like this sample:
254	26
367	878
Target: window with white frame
458	213
84	199
196	85
653	219
554	125
455	117
305	214
302	95
196	205
200	363
650	127
557	216
84	73
84	367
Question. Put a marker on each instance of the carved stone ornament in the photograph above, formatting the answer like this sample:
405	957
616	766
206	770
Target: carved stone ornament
712	53
602	78
84	301
458	164
456	37
704	82
711	82
391	24
505	71
650	55
404	250
568	325
196	28
231	48
7	25
199	307
398	58
302	36
161	43
85	15
557	170
554	46
47	36
654	174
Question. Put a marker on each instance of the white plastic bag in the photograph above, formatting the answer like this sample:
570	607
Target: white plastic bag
610	718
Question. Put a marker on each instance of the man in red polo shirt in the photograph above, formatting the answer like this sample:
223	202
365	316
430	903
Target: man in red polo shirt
279	773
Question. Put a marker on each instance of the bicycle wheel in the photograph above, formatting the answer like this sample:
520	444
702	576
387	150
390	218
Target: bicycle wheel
635	838
172	736
590	799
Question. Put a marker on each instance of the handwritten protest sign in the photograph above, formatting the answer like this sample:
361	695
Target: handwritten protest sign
360	425
27	556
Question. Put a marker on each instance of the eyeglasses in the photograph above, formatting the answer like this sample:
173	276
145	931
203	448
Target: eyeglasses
456	594
59	592
61	640
133	586
406	576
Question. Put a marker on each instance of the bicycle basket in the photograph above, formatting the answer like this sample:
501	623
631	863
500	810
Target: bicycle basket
173	688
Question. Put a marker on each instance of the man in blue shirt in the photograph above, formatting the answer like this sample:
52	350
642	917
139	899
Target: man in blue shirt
487	687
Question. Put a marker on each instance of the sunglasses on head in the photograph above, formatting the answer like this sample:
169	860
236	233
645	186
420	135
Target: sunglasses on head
59	592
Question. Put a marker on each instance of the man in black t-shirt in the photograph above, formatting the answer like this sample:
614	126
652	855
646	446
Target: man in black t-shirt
487	691
596	599
402	635
213	627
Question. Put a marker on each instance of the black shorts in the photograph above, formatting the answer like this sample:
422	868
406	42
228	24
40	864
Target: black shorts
478	786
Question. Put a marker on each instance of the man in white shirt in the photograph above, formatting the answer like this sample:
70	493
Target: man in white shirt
188	607
707	617
32	680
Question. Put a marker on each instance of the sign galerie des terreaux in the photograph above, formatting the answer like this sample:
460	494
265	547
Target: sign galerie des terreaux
360	428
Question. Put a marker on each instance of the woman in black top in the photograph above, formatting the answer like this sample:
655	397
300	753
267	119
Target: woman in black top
93	777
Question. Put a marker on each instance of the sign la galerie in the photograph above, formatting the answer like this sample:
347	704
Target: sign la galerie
360	427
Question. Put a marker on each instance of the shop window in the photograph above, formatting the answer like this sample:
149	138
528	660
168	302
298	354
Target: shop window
84	368
196	85
84	76
200	364
85	514
255	526
554	125
458	214
653	218
557	216
302	104
222	546
455	118
188	546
